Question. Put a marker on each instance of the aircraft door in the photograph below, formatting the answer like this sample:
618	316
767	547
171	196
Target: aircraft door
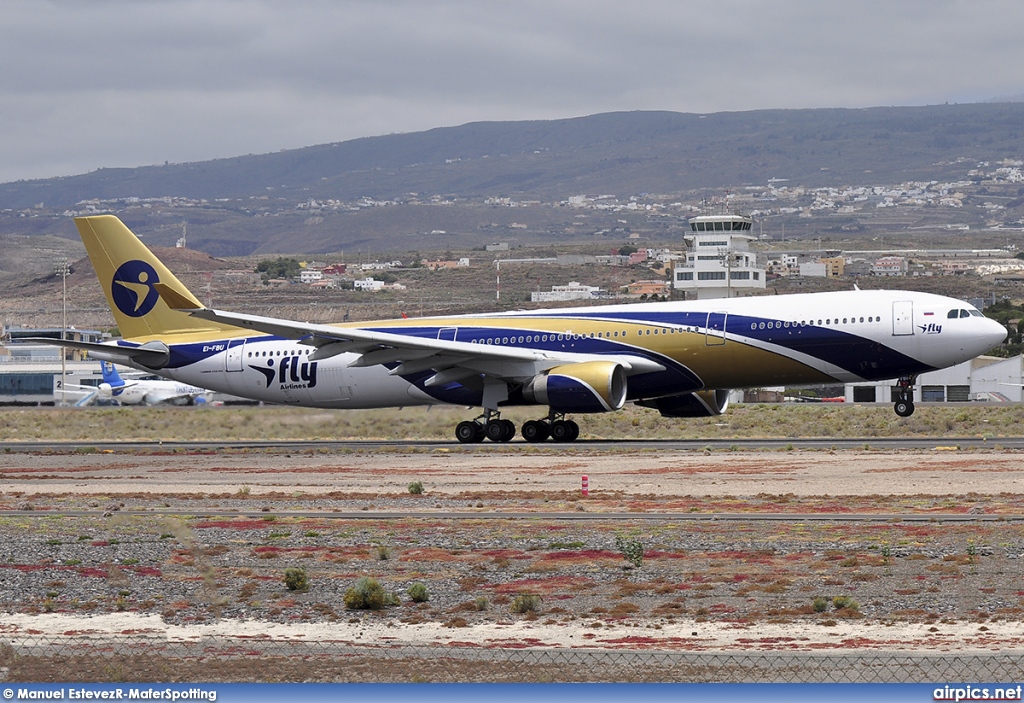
233	357
714	335
902	318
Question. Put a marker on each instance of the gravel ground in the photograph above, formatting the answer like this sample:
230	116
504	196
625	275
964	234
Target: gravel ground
183	546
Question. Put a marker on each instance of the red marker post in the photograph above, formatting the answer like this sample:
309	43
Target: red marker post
586	486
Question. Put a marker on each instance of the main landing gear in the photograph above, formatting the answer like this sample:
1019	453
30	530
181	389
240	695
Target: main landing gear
904	405
490	426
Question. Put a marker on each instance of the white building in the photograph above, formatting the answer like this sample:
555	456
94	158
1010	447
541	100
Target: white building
368	284
889	266
813	269
573	291
719	263
308	275
985	378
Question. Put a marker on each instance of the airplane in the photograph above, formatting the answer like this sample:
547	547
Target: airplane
680	358
148	391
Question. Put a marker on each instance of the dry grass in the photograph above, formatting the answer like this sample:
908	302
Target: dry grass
287	423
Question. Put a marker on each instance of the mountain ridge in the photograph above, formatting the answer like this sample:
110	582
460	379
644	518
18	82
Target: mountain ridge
624	154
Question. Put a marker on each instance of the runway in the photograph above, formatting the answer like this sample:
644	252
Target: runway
756	444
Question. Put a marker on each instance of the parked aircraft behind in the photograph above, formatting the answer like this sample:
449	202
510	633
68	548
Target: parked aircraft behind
148	391
678	357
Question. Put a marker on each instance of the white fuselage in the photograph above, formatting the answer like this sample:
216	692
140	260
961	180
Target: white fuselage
736	343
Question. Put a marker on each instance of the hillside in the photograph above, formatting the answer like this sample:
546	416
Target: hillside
437	189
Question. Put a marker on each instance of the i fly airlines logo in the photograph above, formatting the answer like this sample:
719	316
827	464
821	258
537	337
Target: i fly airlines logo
289	372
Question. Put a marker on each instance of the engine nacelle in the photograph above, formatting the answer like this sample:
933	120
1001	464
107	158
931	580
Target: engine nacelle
587	387
696	404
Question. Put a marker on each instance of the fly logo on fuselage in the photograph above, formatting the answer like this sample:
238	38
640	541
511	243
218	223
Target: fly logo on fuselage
132	288
930	328
289	372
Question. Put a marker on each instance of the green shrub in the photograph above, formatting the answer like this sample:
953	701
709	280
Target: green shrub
525	603
296	579
418	593
368	594
840	602
632	550
820	604
416	488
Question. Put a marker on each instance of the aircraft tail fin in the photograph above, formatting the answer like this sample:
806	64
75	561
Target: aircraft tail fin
110	374
128	271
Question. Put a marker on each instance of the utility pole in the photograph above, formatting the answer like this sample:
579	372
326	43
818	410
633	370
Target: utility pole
60	268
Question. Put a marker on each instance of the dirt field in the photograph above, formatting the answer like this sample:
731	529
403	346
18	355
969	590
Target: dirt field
183	546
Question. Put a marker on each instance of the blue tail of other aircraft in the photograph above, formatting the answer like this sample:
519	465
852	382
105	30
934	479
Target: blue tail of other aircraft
110	374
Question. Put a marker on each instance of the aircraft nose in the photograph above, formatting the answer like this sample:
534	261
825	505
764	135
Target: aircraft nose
992	334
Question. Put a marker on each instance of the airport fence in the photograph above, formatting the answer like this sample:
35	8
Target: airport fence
140	659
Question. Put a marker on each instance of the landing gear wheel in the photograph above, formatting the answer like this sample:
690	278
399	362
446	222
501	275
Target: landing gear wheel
904	408
469	432
500	430
564	431
535	431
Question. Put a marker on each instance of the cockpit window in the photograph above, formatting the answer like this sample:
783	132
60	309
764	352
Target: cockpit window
954	314
975	313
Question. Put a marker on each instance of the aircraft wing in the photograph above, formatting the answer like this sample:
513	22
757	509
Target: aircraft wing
148	354
450	360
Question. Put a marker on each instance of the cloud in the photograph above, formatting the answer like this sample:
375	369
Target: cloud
134	82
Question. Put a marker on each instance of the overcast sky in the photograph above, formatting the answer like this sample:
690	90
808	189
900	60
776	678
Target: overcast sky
110	83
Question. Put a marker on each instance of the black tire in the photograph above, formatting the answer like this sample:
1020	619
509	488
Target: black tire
904	408
561	430
510	430
495	430
468	432
574	430
535	431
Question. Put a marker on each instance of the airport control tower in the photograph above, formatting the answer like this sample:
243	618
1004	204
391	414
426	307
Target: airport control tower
719	262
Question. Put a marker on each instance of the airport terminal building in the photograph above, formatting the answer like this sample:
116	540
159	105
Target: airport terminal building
30	372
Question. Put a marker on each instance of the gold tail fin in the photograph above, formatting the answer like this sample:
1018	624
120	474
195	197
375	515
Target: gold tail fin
128	270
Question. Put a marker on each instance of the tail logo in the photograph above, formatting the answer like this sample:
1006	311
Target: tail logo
132	288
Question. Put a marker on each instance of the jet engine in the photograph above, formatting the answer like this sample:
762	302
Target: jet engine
586	387
696	404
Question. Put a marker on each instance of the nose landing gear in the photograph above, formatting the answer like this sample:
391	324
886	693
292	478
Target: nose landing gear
904	405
